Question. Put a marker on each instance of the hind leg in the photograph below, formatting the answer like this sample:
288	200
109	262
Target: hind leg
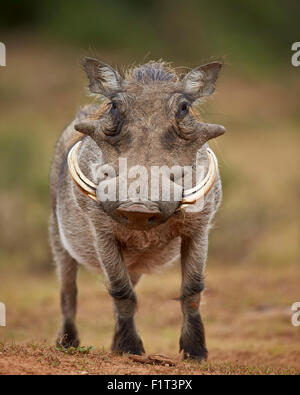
67	273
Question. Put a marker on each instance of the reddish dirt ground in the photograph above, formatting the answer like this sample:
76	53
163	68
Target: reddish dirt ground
45	360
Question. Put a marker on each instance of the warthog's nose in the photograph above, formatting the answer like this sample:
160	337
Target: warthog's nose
139	216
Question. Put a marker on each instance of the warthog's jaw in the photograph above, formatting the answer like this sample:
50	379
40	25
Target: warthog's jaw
190	196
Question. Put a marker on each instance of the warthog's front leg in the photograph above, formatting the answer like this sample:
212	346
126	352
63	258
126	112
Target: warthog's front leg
193	256
126	338
67	270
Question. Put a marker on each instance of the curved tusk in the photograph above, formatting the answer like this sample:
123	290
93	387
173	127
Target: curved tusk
192	195
83	183
203	182
81	175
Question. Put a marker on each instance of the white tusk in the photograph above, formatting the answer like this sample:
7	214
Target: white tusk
81	175
84	184
192	195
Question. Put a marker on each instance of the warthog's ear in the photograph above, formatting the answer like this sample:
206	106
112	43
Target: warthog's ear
201	81
104	80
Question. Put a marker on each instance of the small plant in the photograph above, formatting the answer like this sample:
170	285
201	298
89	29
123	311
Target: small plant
75	350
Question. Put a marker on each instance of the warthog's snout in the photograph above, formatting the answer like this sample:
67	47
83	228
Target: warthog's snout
139	216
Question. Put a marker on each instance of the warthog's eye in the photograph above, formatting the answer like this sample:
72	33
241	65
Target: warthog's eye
114	108
183	110
113	124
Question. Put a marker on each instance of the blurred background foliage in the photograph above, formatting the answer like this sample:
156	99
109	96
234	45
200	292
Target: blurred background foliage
257	100
253	33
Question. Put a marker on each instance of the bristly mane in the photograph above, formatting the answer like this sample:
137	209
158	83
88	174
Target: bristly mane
152	72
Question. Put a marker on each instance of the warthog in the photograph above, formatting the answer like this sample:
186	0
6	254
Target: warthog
146	117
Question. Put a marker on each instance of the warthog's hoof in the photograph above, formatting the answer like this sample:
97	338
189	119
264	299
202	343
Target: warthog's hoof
201	357
67	337
128	345
196	352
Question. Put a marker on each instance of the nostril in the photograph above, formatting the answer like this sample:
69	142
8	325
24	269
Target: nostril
151	220
138	216
124	218
172	177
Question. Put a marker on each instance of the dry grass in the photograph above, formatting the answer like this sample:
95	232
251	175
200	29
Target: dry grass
34	358
253	265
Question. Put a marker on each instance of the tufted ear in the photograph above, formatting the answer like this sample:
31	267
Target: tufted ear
201	81
104	80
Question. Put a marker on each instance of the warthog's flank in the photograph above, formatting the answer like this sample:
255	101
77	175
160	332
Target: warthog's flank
146	117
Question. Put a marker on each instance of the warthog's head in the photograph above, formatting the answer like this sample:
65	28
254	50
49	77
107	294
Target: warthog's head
146	120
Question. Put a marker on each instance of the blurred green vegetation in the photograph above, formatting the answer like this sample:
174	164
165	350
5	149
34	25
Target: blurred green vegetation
254	34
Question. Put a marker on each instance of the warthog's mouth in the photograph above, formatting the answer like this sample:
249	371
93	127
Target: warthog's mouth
189	196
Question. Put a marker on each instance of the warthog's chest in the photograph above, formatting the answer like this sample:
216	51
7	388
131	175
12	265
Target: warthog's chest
143	251
153	239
